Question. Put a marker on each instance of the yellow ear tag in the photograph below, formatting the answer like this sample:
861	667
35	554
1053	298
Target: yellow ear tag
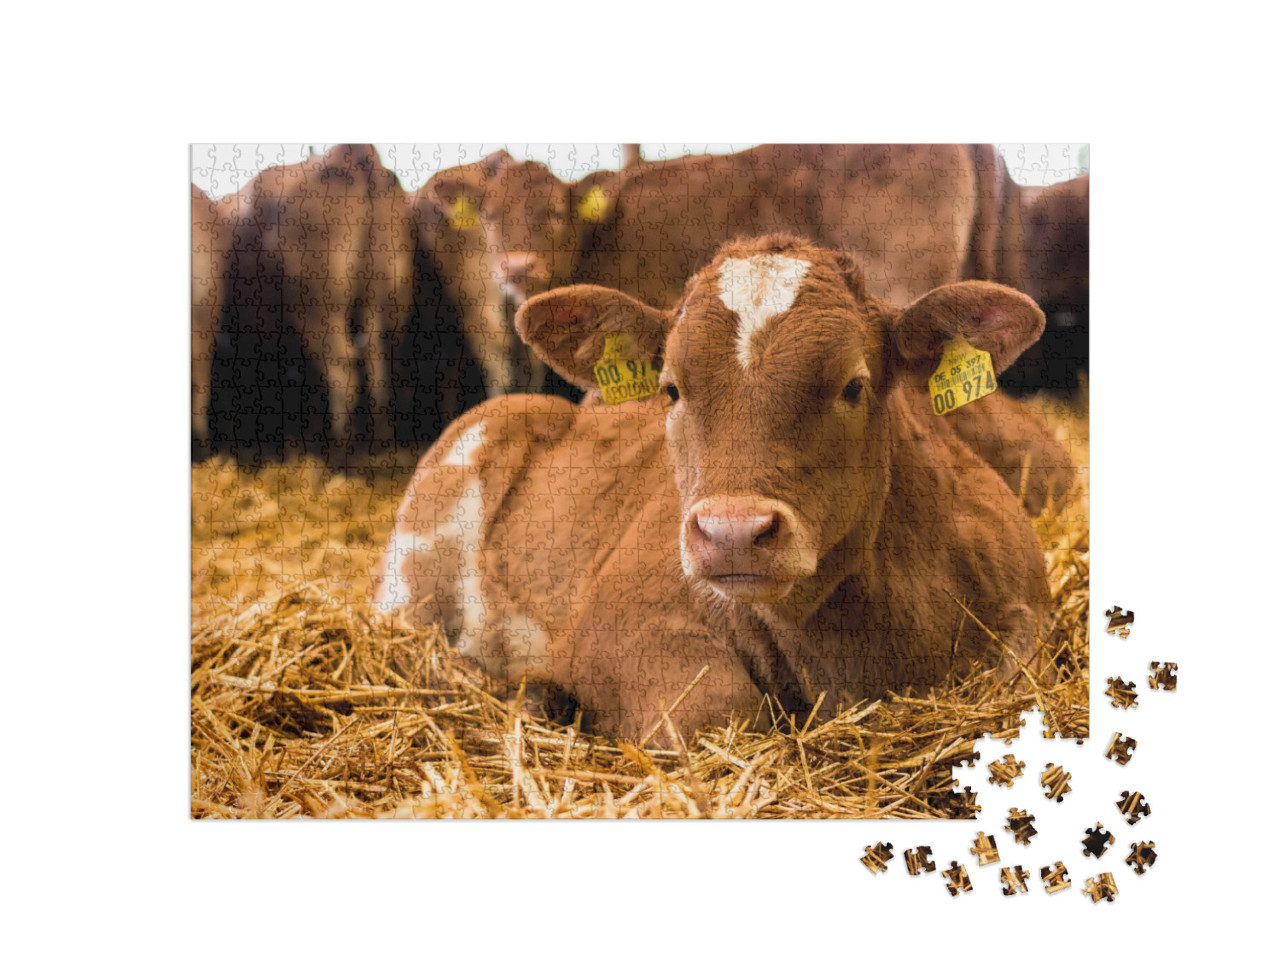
622	378
592	207
964	375
463	216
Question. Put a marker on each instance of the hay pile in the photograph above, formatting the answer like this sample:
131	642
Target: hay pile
305	702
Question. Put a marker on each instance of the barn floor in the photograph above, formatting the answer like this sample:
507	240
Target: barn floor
304	702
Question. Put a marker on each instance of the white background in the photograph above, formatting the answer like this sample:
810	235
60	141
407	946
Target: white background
102	104
220	169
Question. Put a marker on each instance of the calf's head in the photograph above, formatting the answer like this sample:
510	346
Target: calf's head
778	370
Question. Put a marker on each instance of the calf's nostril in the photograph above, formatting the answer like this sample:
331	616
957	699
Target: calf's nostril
770	531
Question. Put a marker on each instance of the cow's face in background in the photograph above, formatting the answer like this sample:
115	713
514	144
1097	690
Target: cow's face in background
526	221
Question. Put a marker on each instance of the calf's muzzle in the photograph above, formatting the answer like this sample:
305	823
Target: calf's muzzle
743	547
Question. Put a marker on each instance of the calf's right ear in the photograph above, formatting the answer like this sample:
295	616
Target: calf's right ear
567	328
989	316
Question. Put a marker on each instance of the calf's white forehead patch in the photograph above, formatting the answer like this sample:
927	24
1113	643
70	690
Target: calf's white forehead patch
757	289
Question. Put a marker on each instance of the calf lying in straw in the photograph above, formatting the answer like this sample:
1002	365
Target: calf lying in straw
787	512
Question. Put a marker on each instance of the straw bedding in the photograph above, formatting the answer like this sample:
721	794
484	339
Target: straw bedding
305	702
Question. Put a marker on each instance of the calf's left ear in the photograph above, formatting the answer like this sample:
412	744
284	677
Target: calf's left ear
989	316
568	328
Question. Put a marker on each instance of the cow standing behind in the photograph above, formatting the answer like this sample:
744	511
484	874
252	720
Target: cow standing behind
1056	252
212	223
918	216
383	294
340	229
448	214
322	255
787	510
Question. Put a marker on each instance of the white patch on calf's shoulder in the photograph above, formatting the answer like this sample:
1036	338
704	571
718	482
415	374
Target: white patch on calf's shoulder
458	542
757	289
466	446
394	591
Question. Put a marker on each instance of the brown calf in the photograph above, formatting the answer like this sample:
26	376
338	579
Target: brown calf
787	510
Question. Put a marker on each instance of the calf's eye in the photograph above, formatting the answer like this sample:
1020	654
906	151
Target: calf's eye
853	391
673	393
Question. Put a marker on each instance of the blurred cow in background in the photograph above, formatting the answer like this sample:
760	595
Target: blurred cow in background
340	228
1056	251
918	215
211	226
321	275
447	210
995	249
337	276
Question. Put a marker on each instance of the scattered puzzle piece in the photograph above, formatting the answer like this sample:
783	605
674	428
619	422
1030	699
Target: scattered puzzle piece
918	860
1104	888
1133	806
984	848
1122	693
876	858
957	879
1055	880
1121	748
964	805
1119	620
1141	855
1053	728
1014	880
1163	678
1005	771
1096	841
1054	781
1021	825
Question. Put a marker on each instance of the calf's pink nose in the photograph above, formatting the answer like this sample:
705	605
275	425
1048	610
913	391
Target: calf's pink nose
738	536
731	532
